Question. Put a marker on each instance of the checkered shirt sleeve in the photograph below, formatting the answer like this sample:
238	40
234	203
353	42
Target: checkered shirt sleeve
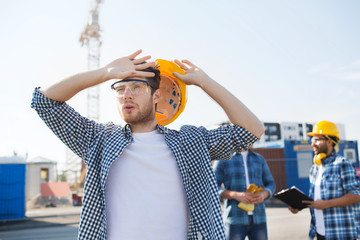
75	131
225	140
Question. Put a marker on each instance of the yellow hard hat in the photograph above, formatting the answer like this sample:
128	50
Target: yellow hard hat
173	95
325	128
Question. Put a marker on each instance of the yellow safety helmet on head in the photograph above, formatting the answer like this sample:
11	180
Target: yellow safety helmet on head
325	128
173	96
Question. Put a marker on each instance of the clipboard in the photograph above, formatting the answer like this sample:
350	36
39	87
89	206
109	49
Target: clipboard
293	197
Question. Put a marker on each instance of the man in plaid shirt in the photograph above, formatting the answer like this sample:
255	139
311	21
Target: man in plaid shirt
236	175
334	186
145	181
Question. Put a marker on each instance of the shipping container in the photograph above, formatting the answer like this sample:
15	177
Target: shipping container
12	191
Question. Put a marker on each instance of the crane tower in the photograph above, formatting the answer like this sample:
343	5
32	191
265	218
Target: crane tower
91	38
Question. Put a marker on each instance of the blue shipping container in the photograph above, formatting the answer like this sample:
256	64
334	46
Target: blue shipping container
12	191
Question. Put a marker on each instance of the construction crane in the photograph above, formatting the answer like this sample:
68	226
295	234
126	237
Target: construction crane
90	37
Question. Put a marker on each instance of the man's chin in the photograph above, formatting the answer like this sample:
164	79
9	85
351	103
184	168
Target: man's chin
129	120
132	120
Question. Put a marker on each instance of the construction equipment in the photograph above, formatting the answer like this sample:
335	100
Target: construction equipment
90	37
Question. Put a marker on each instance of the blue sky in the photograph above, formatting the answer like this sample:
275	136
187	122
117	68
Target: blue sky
286	60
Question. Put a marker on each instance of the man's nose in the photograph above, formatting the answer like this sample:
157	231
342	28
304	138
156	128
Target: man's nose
128	92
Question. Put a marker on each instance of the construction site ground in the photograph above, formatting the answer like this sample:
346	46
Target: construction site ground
62	223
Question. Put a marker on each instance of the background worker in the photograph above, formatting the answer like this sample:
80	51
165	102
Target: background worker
334	186
235	175
145	181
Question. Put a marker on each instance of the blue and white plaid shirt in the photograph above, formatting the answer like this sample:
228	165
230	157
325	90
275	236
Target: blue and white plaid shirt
232	174
101	144
339	178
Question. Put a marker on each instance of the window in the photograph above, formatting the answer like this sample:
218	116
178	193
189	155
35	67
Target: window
304	162
350	154
272	131
44	175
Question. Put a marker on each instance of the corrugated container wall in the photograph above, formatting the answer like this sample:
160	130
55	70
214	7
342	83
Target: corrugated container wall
12	191
276	162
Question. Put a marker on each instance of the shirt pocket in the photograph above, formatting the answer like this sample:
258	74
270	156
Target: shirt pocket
333	186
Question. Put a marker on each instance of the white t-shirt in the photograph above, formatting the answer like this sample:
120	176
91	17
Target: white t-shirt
144	193
244	156
319	215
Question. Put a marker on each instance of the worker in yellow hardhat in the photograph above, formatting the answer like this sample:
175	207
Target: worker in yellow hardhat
334	186
325	137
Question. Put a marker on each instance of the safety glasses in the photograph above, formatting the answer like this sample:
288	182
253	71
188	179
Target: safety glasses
316	139
136	86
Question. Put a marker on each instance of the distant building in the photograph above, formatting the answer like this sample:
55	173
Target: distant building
39	170
277	132
30	183
42	188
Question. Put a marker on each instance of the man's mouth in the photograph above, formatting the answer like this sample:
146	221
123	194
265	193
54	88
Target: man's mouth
315	149
128	107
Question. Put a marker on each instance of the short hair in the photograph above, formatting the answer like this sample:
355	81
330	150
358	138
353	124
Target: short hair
153	81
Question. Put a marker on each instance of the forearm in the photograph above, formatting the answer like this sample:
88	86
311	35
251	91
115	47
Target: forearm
69	87
236	111
346	200
265	194
228	194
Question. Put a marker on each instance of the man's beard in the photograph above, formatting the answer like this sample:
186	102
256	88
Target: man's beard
322	149
144	115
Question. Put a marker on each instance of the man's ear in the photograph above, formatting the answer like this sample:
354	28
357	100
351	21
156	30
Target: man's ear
329	143
156	96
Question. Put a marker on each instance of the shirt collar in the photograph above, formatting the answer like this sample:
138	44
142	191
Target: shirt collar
127	131
162	129
330	158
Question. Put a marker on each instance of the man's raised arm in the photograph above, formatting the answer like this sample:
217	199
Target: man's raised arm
118	69
236	111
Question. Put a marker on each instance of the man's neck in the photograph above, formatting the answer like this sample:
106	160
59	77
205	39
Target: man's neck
330	150
143	127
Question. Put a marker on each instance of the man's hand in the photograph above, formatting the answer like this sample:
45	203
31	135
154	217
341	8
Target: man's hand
318	204
193	74
293	210
260	197
236	111
118	69
129	67
244	197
